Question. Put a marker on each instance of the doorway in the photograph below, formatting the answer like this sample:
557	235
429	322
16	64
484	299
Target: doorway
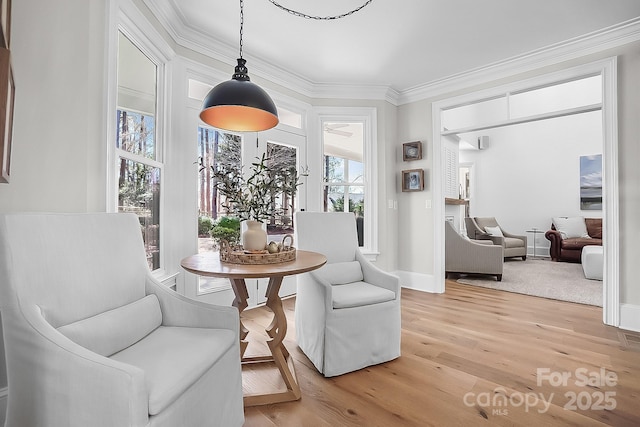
606	70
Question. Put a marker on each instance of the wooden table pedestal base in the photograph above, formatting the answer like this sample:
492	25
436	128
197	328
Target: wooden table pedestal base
279	357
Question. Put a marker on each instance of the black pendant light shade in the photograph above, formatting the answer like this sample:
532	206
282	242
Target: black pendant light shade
239	105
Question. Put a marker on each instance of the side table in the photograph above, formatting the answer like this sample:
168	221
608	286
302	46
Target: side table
535	233
209	264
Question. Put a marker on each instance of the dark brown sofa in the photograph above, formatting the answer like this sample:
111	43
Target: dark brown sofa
571	249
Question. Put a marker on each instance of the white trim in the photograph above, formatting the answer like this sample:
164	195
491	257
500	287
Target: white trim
222	284
125	17
630	317
168	280
437	184
611	197
608	69
417	281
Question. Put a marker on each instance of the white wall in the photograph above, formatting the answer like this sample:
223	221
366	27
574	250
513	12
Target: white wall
57	161
58	151
531	172
415	241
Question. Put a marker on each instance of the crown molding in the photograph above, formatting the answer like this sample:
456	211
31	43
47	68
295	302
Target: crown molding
349	91
597	41
189	38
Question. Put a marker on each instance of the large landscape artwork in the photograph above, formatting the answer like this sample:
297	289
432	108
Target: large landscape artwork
591	182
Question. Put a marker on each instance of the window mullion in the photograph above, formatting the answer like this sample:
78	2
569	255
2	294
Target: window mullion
137	158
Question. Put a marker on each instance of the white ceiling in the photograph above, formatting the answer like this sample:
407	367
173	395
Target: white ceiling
398	44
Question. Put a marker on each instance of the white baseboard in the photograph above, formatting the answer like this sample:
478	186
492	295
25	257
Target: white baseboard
417	281
630	317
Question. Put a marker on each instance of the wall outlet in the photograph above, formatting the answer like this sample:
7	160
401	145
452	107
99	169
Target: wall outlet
428	204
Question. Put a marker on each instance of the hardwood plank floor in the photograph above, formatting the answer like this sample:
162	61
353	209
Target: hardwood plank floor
470	357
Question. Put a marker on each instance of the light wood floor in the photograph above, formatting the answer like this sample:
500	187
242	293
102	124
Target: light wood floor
464	353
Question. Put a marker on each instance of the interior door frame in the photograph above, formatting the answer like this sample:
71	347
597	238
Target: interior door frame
607	68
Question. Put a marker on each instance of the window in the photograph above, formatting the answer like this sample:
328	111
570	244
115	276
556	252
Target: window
290	118
571	96
557	97
139	170
344	171
214	148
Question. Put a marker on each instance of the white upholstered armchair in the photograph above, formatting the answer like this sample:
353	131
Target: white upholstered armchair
347	312
93	340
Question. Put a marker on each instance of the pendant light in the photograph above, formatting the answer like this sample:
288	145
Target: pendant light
238	104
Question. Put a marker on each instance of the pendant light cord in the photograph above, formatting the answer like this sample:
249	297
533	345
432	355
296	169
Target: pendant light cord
318	18
241	24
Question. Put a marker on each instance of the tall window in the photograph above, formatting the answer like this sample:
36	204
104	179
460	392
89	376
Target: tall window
138	164
215	148
344	172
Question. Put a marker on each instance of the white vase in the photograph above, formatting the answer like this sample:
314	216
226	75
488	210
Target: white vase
254	237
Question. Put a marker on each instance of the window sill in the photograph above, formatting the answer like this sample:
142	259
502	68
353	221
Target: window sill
369	255
168	280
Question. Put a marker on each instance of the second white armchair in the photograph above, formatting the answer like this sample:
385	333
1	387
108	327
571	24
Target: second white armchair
348	312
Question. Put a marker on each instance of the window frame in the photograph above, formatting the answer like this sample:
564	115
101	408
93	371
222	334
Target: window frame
129	21
368	117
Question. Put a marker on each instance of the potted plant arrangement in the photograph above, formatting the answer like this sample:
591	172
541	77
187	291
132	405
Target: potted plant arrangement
251	199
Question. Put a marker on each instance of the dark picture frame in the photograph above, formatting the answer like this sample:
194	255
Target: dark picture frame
5	23
7	98
412	151
413	180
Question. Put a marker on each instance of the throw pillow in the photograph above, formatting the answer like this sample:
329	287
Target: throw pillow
341	273
571	227
494	231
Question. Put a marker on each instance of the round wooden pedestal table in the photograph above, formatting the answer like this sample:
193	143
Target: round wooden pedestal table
209	264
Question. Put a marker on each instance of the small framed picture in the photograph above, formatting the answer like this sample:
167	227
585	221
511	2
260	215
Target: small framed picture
413	180
412	151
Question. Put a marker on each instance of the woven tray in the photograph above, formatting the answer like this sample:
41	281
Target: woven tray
237	255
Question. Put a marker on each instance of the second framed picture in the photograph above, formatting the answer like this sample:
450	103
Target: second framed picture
413	180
